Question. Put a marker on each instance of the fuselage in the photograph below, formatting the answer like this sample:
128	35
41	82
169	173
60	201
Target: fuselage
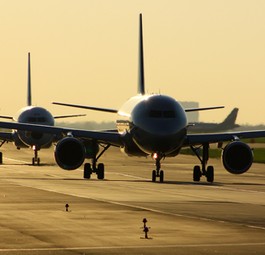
155	124
33	115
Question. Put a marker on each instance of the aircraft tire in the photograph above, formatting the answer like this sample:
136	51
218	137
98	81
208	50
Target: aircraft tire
101	171
161	176
1	157
87	171
154	176
197	173
210	174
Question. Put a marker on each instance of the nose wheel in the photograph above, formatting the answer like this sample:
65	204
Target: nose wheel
158	173
35	159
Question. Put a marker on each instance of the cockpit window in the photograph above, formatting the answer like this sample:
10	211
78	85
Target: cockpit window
155	114
36	120
169	114
162	114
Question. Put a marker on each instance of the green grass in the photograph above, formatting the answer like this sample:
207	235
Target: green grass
254	140
259	154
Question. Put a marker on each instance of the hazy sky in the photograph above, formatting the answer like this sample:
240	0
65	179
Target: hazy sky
86	52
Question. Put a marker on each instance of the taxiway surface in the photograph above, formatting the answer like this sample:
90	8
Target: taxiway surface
105	216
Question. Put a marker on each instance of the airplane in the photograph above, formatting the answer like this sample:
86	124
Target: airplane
31	114
227	124
147	125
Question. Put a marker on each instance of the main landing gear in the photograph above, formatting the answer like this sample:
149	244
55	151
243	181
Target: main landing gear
36	159
200	171
158	172
1	153
93	167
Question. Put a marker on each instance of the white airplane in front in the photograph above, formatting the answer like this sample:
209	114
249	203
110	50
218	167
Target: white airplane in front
148	125
35	115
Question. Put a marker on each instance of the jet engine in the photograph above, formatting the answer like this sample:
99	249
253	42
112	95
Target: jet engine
237	157
70	153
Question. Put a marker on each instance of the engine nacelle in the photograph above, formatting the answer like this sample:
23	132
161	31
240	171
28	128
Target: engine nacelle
237	157
131	149
69	153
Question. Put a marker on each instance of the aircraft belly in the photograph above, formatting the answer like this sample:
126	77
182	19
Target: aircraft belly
30	139
165	144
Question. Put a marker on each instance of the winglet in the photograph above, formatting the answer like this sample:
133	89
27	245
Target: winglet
141	86
29	82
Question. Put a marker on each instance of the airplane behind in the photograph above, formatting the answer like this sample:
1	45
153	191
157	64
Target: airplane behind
153	125
34	115
229	123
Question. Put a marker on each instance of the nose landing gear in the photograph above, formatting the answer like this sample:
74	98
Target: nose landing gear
36	159
158	172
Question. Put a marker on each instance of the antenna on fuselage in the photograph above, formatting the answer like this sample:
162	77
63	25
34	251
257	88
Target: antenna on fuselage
141	86
29	83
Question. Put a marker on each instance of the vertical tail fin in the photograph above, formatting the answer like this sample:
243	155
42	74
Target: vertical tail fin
230	120
29	83
141	86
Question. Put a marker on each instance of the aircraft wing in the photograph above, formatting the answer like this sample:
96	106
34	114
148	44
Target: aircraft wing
69	116
116	139
112	138
116	111
203	109
6	117
88	107
196	139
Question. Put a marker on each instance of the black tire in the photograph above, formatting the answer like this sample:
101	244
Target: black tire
1	157
154	176
197	173
33	161
161	176
87	171
101	171
210	174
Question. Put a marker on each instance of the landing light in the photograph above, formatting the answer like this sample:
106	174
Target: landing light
155	156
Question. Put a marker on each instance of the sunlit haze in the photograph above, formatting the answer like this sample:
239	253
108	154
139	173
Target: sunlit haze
86	52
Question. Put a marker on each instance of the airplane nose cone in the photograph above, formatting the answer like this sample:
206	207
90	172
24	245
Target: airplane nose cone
158	124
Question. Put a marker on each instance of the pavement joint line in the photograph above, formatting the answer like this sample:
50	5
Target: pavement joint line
134	247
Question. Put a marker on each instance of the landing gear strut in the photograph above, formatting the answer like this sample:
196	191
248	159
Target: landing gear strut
200	171
158	172
93	167
1	153
36	159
